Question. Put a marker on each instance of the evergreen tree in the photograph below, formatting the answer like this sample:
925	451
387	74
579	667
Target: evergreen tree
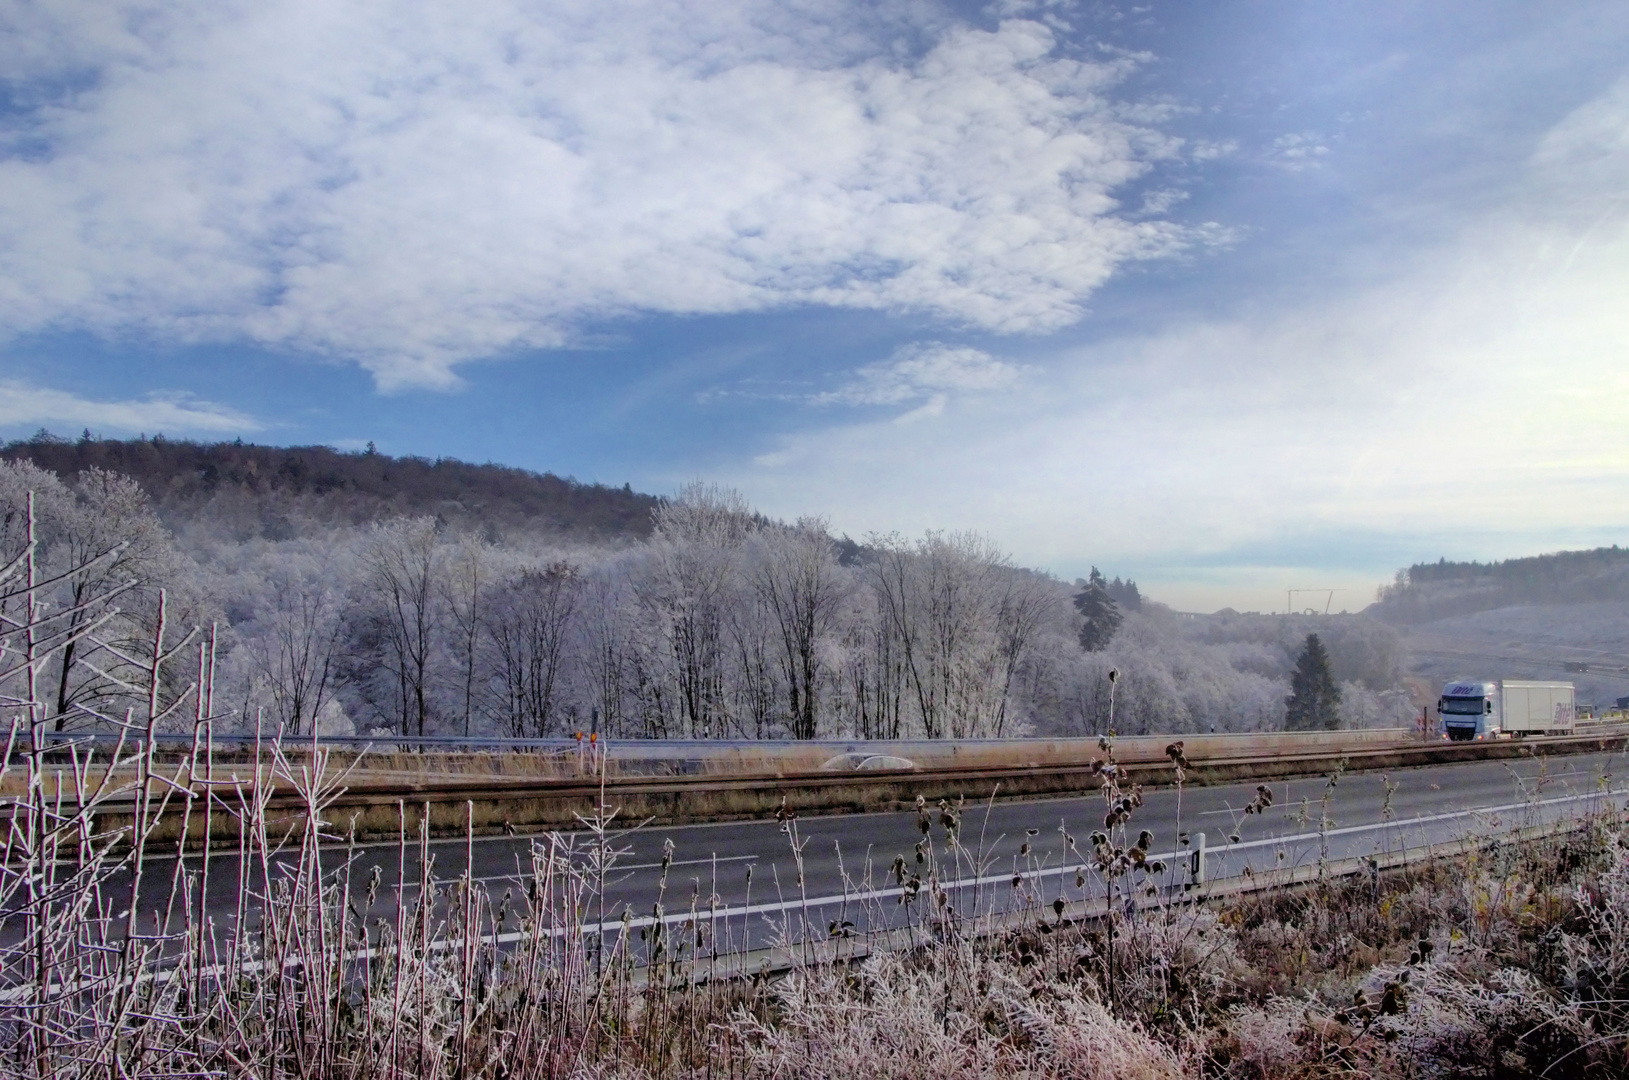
1101	615
1314	702
1126	594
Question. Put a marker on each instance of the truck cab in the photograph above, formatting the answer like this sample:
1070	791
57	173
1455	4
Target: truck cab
1470	710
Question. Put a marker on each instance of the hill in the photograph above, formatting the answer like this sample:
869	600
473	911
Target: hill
1564	615
243	491
1428	592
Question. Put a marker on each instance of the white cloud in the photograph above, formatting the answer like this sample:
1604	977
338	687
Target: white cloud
414	185
176	414
924	370
1161	200
1471	405
1299	151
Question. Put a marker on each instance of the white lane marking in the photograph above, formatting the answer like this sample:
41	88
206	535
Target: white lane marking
714	914
1424	819
686	862
615	868
1036	875
625	829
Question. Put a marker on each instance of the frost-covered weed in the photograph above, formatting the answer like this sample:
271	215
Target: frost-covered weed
961	1013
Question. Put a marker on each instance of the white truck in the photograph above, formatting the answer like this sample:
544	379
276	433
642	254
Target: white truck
1488	710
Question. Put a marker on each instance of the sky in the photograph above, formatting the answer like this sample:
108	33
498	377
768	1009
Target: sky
1227	298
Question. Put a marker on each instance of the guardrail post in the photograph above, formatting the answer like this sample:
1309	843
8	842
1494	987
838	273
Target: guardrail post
1196	860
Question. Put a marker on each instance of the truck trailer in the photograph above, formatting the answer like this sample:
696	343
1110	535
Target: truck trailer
1507	707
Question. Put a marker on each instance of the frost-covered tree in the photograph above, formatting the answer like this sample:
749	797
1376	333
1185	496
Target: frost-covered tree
941	598
794	574
464	587
690	572
1027	603
108	525
720	624
401	617
870	677
19	479
1315	699
294	637
529	625
603	653
1100	615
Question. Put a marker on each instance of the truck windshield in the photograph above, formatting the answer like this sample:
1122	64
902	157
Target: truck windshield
1462	706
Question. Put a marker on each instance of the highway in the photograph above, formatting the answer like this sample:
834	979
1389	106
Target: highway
747	876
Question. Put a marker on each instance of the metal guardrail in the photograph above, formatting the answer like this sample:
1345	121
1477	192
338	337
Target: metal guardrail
678	749
377	804
440	758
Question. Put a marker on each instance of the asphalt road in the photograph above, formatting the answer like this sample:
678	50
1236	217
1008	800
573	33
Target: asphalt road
753	883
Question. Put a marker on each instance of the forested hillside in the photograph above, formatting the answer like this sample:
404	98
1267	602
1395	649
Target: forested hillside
1426	592
246	491
356	593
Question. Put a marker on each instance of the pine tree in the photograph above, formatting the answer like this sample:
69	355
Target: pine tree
1126	594
1100	613
1314	702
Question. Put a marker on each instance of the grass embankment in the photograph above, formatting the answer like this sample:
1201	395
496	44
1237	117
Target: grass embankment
1510	963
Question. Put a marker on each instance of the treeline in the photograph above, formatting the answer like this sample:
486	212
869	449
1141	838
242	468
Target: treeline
240	492
1439	590
720	623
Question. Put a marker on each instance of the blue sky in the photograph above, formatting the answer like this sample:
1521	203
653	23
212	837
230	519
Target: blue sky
1230	298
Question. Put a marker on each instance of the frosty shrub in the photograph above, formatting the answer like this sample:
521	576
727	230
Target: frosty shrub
949	1014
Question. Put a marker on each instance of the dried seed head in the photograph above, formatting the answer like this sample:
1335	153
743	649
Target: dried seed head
1145	839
